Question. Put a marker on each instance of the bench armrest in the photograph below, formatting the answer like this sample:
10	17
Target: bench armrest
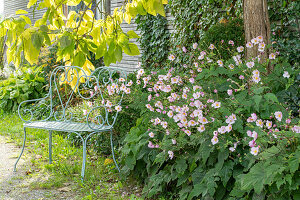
99	117
35	109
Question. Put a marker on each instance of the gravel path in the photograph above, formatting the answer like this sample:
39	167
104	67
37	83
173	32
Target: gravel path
16	185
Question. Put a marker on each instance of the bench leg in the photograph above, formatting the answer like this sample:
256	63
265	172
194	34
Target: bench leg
24	140
50	147
112	150
83	160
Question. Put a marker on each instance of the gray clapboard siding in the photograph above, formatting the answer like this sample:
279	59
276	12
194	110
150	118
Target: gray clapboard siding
129	63
11	6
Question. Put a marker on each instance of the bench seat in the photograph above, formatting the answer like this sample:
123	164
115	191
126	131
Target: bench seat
65	126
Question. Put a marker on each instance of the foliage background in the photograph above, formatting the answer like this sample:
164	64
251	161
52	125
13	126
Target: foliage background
154	41
284	17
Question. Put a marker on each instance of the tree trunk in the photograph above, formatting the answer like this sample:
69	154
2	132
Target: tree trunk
256	23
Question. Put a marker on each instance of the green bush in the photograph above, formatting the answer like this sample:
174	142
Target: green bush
220	35
27	84
194	17
214	129
284	17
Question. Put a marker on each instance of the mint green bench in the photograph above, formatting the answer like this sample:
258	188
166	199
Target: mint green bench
70	87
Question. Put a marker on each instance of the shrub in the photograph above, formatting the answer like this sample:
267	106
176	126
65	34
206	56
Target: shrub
221	34
284	17
211	126
26	83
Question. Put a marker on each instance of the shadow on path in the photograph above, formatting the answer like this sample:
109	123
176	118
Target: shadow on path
16	185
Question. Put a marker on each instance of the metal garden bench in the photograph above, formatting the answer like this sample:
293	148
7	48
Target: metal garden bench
76	104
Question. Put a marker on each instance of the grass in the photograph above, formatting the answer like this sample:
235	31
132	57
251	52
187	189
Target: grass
101	180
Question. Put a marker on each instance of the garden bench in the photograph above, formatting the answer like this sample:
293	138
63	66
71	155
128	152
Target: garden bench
78	101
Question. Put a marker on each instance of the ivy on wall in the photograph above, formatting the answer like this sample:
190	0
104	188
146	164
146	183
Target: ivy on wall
154	41
193	17
205	21
285	25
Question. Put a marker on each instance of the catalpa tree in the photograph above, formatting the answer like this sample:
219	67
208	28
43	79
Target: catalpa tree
77	34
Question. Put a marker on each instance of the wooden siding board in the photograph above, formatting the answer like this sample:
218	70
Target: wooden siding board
11	6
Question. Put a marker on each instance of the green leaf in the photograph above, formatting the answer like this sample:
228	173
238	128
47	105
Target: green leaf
259	90
101	50
130	161
160	158
132	34
181	166
182	178
21	12
27	19
260	174
272	97
226	172
241	96
47	39
257	100
294	161
269	153
222	156
159	7
118	53
44	28
254	179
79	59
204	151
64	41
112	47
197	190
37	40
131	49
30	52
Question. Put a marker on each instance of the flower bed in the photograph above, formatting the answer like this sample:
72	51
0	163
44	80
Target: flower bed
211	126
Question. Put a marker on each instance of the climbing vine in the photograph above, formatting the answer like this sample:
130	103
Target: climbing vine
154	41
284	17
193	17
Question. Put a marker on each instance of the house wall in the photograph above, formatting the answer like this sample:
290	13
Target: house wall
129	63
11	6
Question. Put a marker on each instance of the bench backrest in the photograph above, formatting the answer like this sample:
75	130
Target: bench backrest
80	95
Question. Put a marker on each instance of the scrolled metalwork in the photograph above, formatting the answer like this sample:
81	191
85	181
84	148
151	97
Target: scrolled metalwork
71	89
69	84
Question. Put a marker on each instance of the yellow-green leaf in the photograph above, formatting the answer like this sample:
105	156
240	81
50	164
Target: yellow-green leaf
101	50
2	31
140	8
73	2
79	59
31	3
37	40
21	12
30	52
164	2
118	53
131	49
127	17
27	19
132	34
159	7
87	2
